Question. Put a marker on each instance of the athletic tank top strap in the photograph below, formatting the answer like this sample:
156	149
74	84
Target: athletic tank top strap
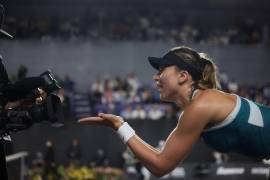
229	118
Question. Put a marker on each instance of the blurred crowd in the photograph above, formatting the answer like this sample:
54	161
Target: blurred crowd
166	26
44	166
130	98
257	93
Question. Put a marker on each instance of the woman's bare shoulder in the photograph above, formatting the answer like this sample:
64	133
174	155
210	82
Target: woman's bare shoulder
204	102
199	112
215	102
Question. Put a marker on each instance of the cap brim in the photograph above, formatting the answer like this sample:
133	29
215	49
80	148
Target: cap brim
157	62
5	33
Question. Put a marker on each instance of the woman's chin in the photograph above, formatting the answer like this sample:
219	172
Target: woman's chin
165	98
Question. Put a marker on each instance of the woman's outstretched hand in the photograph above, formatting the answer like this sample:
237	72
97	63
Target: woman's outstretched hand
108	120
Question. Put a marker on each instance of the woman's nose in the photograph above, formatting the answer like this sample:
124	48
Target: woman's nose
156	77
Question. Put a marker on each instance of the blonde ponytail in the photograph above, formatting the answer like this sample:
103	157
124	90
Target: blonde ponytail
209	78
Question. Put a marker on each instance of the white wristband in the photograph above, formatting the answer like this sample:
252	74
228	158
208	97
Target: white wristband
125	132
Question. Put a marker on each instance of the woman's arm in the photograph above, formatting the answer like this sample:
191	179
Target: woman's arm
178	144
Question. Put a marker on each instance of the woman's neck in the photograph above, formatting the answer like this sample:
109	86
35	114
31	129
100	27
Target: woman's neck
185	97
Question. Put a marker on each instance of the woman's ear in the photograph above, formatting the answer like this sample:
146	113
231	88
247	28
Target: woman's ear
182	76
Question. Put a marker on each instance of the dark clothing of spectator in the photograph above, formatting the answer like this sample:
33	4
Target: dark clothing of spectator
74	152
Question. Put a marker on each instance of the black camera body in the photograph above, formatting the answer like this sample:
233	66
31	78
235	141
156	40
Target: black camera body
28	111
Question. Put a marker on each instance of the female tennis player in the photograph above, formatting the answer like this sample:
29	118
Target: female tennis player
226	122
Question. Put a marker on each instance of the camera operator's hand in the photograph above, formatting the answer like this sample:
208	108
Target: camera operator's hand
108	120
41	97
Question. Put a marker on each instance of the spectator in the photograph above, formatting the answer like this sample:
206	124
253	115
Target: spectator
22	72
49	161
107	95
233	86
127	112
97	86
138	113
74	153
95	97
133	82
155	113
131	161
68	83
266	91
49	153
146	96
133	97
100	159
170	112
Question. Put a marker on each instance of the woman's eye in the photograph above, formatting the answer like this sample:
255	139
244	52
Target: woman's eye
160	71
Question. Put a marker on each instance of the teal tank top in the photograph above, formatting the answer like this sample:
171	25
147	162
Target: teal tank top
246	130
